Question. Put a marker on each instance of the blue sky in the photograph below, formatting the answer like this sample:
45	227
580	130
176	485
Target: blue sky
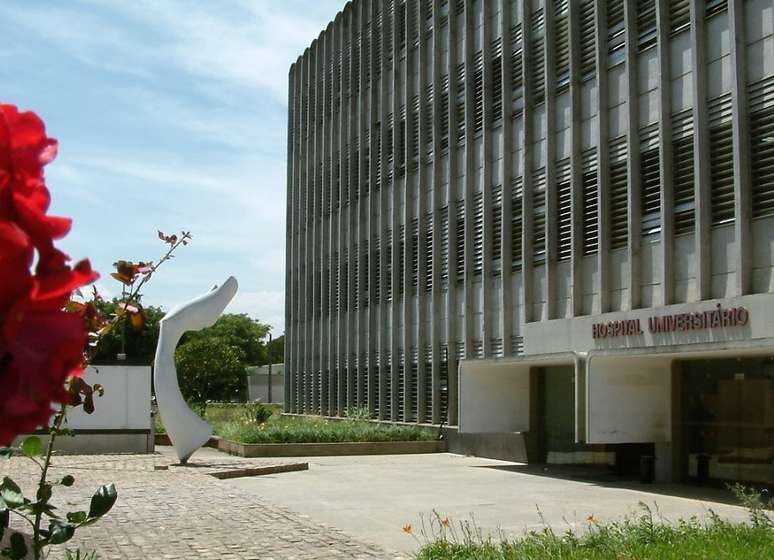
170	115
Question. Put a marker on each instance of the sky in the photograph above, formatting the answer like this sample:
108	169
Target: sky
171	115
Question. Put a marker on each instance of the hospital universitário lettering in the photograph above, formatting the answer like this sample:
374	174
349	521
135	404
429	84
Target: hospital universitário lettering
718	318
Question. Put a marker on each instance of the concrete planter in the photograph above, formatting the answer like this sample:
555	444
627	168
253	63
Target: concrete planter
328	449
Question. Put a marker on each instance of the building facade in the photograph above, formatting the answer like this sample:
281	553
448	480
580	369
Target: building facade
546	224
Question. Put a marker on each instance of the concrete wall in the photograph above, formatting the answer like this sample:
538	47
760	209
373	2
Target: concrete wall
258	383
629	399
121	422
494	397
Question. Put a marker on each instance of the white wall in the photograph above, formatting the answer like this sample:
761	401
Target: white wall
493	397
628	399
125	404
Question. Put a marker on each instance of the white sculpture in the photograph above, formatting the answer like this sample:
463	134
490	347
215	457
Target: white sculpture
186	430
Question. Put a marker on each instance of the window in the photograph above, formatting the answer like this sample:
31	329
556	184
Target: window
478	92
539	215
682	168
619	202
460	241
679	15
616	36
713	7
388	264
762	140
429	113
564	209
538	56
721	160
414	163
650	188
377	264
460	104
588	49
497	228
356	271
401	259
444	248
517	192
646	24
517	62
365	269
414	255
444	109
497	82
478	233
562	45
590	202
428	251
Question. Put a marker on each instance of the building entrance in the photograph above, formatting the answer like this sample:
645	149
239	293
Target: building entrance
726	420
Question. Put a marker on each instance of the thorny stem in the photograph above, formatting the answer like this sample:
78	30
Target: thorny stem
58	419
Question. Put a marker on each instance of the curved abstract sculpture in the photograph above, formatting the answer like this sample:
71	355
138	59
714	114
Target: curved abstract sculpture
186	430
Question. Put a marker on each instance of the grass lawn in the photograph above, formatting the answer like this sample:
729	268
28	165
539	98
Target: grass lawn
246	424
642	538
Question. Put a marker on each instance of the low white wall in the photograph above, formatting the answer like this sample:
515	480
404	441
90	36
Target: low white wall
126	404
628	399
493	397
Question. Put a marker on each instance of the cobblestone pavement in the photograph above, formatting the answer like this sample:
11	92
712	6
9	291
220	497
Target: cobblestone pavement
181	513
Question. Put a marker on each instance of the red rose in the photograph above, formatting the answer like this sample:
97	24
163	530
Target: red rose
41	345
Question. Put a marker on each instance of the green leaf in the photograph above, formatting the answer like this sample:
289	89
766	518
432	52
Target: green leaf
32	447
11	494
76	517
102	500
18	547
68	480
5	519
60	531
7	452
44	493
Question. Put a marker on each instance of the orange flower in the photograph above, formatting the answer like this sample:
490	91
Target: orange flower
407	529
445	522
591	518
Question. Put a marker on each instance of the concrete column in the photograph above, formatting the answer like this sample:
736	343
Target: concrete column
397	257
346	37
506	293
552	203
290	214
359	120
633	167
666	170
469	155
451	195
602	284
421	72
576	164
308	185
487	278
701	151
334	150
527	267
436	325
742	150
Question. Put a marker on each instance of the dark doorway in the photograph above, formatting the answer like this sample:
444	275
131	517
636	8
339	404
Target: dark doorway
727	421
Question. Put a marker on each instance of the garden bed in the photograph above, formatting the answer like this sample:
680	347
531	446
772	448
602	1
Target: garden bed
258	431
328	449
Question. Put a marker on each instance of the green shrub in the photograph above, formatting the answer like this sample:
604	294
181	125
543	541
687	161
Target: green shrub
641	538
284	429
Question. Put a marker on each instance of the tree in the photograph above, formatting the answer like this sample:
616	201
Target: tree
240	331
209	368
276	354
139	344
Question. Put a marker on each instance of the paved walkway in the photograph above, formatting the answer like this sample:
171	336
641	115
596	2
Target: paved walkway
375	496
186	514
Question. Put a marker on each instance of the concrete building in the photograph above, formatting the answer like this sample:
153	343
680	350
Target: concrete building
261	387
547	224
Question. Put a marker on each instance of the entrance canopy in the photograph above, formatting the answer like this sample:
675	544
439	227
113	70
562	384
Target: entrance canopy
629	392
494	395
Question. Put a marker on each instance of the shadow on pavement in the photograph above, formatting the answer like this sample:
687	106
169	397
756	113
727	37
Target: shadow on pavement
608	478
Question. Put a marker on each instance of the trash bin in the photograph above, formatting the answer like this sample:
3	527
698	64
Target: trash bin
702	469
647	469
